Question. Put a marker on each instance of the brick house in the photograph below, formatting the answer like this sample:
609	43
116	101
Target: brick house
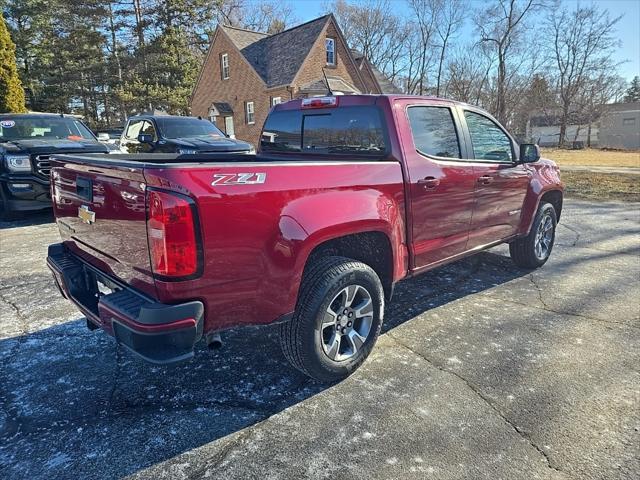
246	72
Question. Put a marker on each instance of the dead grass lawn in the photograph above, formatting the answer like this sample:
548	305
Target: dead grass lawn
602	186
593	157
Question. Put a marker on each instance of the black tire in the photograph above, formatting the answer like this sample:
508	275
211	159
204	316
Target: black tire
523	251
302	337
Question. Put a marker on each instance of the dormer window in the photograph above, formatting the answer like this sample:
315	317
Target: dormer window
330	44
224	65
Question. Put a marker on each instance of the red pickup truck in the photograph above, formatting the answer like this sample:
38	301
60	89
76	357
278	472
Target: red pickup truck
346	196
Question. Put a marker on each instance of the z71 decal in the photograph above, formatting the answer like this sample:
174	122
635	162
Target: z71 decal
238	178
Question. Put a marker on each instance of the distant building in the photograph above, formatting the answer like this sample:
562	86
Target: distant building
620	126
617	127
245	73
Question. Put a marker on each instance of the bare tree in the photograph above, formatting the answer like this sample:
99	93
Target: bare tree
501	26
468	75
267	16
581	42
450	15
374	30
419	47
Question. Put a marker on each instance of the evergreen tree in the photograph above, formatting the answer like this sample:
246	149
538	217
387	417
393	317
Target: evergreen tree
11	92
633	92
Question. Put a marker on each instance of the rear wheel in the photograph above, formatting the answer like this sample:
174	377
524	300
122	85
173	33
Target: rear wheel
337	319
534	250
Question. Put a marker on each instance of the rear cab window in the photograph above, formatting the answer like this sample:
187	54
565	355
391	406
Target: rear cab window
348	130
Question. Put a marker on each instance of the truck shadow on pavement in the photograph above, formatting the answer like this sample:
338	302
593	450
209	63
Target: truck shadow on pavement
30	219
75	405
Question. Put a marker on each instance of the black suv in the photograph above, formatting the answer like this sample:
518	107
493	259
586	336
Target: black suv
174	134
26	142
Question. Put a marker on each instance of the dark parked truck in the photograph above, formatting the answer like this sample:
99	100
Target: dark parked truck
175	134
347	196
26	143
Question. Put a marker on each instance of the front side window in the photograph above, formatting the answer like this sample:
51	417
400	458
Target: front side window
353	131
434	132
224	65
250	113
488	139
330	44
133	130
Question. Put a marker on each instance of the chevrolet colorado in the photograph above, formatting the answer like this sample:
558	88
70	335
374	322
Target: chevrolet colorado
346	196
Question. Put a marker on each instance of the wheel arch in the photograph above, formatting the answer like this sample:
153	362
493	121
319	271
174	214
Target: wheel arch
373	248
554	196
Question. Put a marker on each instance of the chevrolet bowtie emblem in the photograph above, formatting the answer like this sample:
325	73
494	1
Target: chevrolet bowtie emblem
86	215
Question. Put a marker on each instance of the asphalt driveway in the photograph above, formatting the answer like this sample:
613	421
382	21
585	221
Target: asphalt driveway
483	371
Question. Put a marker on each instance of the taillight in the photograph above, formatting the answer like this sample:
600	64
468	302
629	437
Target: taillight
171	229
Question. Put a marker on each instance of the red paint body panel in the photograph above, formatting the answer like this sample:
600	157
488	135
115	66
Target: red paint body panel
256	238
117	242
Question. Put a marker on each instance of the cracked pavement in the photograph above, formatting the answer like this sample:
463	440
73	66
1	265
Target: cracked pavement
482	371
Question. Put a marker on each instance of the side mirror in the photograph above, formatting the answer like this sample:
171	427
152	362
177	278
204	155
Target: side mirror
145	138
103	137
529	153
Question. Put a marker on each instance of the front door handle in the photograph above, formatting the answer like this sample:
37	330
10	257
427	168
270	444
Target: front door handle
429	183
485	179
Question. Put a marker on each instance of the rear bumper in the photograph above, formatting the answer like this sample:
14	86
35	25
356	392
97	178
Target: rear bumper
157	332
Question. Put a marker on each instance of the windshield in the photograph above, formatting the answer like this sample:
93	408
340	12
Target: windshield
187	127
22	128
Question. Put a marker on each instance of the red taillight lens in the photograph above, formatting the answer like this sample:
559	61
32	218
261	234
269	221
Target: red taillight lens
172	235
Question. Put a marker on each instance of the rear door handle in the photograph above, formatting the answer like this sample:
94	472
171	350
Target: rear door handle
429	183
485	179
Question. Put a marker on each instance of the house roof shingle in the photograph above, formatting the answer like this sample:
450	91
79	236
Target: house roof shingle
385	84
336	84
277	58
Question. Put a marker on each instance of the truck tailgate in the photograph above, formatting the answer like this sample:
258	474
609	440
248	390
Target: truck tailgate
101	214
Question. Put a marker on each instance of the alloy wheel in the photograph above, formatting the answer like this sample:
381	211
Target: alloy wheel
347	323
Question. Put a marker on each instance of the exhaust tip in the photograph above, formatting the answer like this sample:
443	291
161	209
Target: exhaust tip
214	341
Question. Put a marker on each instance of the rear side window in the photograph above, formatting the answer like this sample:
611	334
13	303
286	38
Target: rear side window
434	132
346	130
489	141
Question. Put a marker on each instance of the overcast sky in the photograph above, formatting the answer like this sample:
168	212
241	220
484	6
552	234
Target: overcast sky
628	28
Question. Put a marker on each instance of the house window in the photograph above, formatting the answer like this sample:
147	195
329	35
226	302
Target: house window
275	101
628	121
330	44
249	113
224	65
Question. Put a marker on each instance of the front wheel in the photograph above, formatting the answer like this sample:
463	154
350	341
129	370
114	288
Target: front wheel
534	250
337	319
